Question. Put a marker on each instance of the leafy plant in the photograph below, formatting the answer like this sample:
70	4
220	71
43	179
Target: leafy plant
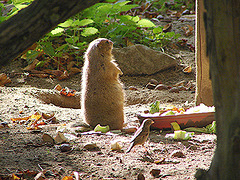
100	20
11	8
110	20
157	39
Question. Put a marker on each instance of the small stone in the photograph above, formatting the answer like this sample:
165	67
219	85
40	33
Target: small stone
161	161
115	146
177	153
140	177
161	87
150	86
174	90
133	88
91	147
153	81
155	172
186	12
146	111
181	83
193	147
129	129
182	88
160	17
65	148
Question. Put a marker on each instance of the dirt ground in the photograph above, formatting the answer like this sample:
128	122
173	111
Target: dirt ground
23	149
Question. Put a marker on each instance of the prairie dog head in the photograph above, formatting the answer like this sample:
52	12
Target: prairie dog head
100	47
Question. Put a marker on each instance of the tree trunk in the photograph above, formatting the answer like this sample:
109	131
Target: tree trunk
222	20
30	24
204	84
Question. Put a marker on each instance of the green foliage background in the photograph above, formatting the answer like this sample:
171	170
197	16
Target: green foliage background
108	20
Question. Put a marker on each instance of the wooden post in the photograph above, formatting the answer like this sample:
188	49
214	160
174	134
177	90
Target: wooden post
204	84
222	20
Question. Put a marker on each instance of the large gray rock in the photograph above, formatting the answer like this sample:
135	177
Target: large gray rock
139	60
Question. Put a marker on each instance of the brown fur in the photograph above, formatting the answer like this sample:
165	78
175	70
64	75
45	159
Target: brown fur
102	92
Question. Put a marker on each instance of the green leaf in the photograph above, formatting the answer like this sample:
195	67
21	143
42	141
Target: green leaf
177	36
32	54
170	34
20	6
67	23
103	129
92	11
57	31
40	64
135	18
128	7
130	18
154	107
62	47
122	6
121	3
104	9
72	39
157	30
21	1
69	40
83	22
48	48
89	31
145	23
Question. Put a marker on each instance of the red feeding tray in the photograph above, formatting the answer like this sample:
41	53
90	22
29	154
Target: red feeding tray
184	120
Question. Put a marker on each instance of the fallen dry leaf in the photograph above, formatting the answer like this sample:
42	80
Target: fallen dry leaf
4	79
14	177
187	69
34	121
39	75
67	92
60	138
65	75
74	70
70	65
67	178
48	139
56	73
58	87
167	27
31	66
188	30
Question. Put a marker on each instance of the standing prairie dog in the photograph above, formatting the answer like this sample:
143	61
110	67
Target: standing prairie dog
102	93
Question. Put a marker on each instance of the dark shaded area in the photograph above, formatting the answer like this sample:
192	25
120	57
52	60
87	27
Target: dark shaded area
30	24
